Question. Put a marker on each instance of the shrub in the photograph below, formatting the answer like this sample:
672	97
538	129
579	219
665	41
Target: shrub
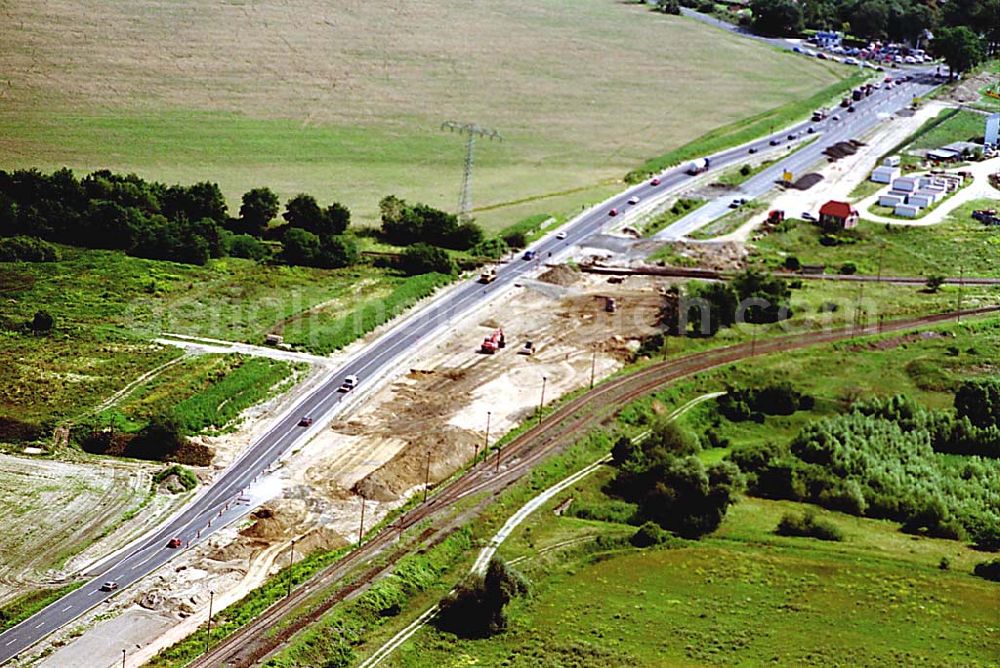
494	248
246	246
185	476
616	511
42	322
985	534
808	526
678	493
426	259
934	282
27	249
475	609
988	569
739	404
792	263
649	534
848	268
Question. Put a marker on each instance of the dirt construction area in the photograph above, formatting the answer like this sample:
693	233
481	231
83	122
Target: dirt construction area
427	421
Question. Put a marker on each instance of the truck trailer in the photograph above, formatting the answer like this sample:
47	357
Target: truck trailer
699	166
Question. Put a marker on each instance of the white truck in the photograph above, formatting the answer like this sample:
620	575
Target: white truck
699	166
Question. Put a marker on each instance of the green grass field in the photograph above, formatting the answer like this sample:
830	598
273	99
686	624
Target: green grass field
946	248
961	126
204	392
107	306
329	99
230	298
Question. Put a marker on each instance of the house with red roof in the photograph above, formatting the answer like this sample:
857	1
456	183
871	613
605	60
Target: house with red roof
839	215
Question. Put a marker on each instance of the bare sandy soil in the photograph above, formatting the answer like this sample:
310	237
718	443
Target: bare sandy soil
437	409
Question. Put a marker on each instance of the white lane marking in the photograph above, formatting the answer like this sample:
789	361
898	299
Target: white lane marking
66	608
92	592
10	642
40	625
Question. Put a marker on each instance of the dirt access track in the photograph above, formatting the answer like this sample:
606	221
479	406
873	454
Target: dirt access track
436	410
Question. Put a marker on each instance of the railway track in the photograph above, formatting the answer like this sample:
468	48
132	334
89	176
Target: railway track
573	418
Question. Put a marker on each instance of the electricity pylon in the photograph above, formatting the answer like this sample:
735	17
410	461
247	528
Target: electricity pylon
472	130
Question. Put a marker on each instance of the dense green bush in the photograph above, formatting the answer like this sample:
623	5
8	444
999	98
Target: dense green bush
988	569
404	224
186	477
475	609
670	486
752	297
979	401
881	460
246	246
649	534
617	511
27	249
739	404
494	248
423	258
809	526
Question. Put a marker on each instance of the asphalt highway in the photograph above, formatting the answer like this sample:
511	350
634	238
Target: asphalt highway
227	499
851	125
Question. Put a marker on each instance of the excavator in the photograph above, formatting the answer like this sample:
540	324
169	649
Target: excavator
493	342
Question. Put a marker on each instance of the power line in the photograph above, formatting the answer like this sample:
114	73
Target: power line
471	130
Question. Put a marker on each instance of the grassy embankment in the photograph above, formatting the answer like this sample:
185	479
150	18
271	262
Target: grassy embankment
206	393
747	129
880	597
731	221
20	609
107	305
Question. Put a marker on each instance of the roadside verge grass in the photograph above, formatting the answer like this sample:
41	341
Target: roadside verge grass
25	606
745	130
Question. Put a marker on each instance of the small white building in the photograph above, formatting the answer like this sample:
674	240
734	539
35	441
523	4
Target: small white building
921	200
891	200
907	211
906	184
885	174
938	190
891	161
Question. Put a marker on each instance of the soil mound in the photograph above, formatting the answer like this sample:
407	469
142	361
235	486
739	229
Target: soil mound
561	275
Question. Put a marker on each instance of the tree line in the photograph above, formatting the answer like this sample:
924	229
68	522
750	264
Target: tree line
191	224
964	31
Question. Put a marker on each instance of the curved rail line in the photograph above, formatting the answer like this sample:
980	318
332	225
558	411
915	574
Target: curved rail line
252	642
